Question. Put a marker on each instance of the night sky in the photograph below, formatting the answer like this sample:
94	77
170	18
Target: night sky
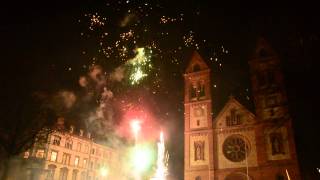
46	47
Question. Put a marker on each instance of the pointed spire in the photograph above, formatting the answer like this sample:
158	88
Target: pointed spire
196	63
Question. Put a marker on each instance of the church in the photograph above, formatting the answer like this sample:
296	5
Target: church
237	144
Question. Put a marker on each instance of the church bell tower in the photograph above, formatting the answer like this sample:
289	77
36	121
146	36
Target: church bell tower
198	131
277	151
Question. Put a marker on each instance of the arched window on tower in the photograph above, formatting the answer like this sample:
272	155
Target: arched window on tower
234	118
198	178
202	92
193	91
196	68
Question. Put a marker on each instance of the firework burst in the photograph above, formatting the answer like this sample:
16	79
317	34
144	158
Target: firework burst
162	38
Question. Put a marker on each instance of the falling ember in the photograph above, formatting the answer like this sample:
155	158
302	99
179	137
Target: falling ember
162	161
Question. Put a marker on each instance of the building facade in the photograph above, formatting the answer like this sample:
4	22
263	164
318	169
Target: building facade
238	144
70	155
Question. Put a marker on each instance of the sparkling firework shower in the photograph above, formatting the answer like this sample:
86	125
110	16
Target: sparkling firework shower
128	30
162	161
140	66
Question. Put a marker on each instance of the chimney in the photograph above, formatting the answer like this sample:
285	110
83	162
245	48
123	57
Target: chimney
81	132
71	129
60	123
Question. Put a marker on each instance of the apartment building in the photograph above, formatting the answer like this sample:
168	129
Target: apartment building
71	155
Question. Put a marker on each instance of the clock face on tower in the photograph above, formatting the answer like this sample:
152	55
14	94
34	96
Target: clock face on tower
198	116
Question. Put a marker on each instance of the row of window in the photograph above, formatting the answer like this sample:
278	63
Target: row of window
234	118
69	144
63	175
67	157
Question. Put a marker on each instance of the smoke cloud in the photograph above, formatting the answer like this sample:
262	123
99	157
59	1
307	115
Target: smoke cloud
128	19
117	74
83	82
99	117
62	101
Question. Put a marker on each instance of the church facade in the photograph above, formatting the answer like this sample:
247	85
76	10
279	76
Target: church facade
237	144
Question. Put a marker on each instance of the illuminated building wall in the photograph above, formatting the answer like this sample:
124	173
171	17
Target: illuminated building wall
71	155
236	144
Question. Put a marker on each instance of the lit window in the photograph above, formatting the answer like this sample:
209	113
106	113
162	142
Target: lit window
53	156
193	91
74	174
86	148
76	161
63	173
56	140
91	164
66	158
85	163
79	147
234	118
83	175
68	143
51	171
26	154
40	153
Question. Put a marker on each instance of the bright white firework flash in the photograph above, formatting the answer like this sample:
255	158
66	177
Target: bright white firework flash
162	161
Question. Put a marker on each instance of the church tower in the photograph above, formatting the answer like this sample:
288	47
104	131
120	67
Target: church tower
276	148
198	131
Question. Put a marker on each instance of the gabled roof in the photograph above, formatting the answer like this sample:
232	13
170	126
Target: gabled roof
233	103
196	63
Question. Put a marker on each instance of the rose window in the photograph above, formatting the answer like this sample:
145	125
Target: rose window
235	148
